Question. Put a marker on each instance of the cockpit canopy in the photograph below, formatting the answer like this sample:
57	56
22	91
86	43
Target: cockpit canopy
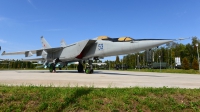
103	38
124	39
121	39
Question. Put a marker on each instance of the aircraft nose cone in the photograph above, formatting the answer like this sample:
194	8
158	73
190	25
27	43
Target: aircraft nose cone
164	41
150	43
161	41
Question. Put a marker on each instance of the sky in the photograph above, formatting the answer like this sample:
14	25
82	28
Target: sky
23	22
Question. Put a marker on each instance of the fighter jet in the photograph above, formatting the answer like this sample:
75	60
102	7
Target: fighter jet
89	50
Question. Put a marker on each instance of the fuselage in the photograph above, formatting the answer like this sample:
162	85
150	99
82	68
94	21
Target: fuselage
107	48
104	48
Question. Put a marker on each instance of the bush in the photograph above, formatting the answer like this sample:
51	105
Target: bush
195	64
185	64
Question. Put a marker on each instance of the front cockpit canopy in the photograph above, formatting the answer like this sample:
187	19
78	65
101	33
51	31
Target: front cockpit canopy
103	38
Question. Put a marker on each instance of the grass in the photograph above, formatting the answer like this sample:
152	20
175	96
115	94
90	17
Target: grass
33	98
191	71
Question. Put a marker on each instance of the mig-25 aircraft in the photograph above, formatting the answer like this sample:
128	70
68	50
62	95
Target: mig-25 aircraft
89	50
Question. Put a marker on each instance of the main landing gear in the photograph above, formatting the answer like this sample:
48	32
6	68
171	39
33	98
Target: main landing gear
80	67
52	68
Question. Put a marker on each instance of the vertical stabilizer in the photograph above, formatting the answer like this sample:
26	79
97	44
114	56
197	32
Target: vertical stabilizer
63	43
45	44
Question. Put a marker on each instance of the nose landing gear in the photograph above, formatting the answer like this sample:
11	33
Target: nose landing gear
89	68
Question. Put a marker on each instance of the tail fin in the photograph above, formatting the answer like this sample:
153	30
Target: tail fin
45	44
63	43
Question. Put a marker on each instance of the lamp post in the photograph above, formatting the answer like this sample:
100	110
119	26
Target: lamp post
122	65
171	57
198	55
160	63
109	65
138	62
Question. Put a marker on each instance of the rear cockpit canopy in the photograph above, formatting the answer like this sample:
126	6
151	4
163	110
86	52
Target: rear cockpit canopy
121	39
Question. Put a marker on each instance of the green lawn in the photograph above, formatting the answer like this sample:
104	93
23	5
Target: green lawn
32	98
191	71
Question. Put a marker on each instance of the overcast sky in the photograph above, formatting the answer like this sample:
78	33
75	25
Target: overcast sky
23	22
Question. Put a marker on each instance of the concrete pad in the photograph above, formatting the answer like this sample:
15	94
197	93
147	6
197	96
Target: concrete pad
99	79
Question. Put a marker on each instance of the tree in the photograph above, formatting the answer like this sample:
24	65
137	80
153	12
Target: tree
190	52
117	60
185	64
195	64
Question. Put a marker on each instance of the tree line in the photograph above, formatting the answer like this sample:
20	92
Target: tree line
16	64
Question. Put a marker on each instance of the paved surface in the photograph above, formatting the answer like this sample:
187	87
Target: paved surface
100	78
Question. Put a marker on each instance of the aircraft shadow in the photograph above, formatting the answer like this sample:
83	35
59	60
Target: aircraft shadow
95	72
131	74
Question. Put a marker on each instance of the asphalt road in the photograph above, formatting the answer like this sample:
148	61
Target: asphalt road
99	79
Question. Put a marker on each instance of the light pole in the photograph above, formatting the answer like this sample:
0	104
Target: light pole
198	55
109	65
122	64
160	63
138	62
171	57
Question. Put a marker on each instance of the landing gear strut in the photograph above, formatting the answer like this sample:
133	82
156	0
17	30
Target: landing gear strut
52	68
80	67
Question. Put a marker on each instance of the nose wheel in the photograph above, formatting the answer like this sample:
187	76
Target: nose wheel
89	70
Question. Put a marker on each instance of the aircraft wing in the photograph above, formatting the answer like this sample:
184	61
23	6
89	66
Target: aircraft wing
13	53
29	53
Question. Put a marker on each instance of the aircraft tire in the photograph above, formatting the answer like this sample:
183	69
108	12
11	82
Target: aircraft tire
51	67
91	71
88	71
80	68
